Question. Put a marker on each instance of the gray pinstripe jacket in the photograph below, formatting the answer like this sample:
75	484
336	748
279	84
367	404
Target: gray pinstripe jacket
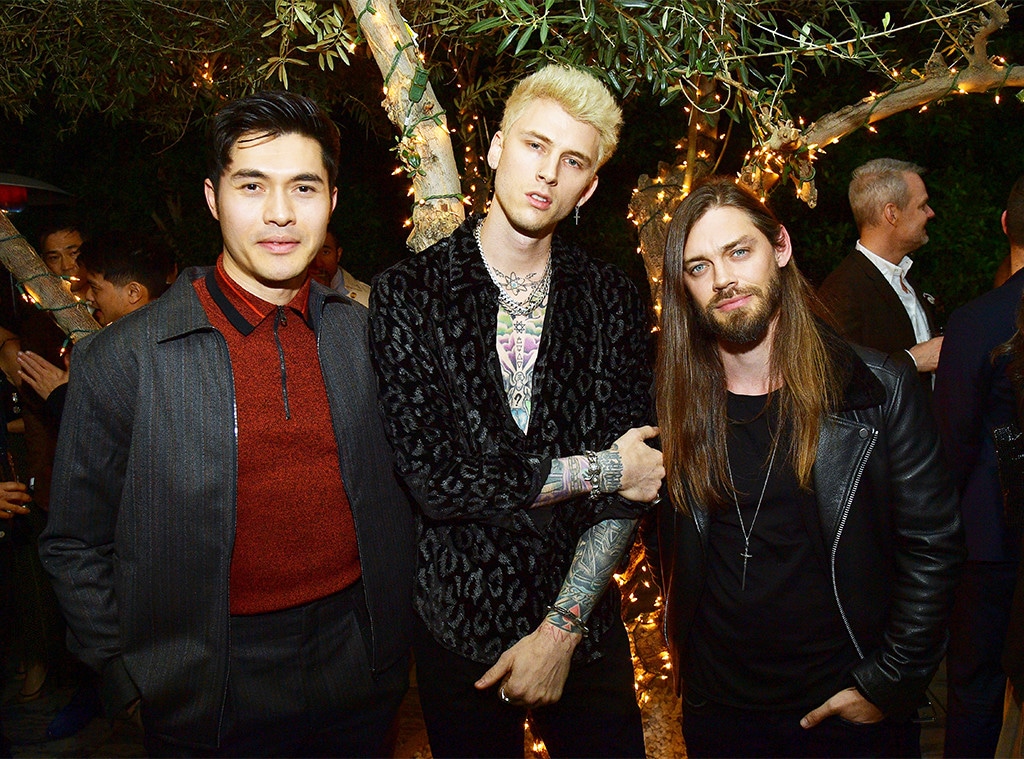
142	521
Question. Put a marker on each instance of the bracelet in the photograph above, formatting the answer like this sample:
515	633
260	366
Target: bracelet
574	621
593	473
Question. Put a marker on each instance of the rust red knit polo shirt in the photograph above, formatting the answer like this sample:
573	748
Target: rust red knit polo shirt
294	535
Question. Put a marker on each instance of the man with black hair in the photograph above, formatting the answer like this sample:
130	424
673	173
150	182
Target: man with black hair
973	397
228	541
123	274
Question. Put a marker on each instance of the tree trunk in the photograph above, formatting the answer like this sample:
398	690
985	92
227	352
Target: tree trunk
425	145
47	290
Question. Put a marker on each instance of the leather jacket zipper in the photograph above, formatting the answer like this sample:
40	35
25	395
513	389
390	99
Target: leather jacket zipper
839	533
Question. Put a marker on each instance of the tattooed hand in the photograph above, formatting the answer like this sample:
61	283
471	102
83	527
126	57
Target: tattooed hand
642	466
533	671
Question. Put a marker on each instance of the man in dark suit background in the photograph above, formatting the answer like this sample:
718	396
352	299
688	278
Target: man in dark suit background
973	396
870	296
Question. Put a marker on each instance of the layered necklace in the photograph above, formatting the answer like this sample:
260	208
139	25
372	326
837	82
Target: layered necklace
512	286
746	555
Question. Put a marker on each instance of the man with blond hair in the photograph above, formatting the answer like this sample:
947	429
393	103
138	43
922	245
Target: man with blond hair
515	386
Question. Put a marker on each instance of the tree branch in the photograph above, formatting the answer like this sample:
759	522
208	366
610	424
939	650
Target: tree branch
973	79
425	145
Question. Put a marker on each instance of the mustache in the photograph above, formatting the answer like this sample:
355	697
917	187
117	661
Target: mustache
731	293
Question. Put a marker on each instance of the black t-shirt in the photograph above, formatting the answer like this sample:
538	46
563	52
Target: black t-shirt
776	640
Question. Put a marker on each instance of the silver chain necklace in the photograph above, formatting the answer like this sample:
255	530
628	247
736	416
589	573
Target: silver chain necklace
747	533
510	285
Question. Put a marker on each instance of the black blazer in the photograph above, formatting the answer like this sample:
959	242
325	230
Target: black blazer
863	307
488	561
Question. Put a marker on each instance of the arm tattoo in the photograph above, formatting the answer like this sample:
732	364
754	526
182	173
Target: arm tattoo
565	480
597	554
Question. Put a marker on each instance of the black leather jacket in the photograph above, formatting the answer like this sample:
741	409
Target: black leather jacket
891	524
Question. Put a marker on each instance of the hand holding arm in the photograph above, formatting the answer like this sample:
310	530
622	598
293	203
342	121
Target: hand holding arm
642	466
847	704
533	671
642	470
926	354
40	374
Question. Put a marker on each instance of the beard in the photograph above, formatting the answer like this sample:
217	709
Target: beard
748	324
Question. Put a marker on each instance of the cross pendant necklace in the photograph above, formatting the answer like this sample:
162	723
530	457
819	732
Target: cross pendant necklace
745	553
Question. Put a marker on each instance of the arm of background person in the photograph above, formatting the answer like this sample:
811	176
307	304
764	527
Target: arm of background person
40	374
842	308
10	345
961	380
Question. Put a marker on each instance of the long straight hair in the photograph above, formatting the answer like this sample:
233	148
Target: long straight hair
691	382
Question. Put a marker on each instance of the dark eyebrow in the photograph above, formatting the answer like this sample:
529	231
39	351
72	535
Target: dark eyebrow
307	178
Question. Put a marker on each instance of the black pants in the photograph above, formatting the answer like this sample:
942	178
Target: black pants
713	730
597	715
974	671
300	685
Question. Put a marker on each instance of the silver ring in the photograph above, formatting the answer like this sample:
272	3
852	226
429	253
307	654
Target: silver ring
656	501
502	695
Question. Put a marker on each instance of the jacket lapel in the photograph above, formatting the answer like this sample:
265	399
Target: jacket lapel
470	325
887	301
841	435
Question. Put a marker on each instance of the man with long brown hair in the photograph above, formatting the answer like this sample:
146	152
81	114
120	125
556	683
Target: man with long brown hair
811	539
